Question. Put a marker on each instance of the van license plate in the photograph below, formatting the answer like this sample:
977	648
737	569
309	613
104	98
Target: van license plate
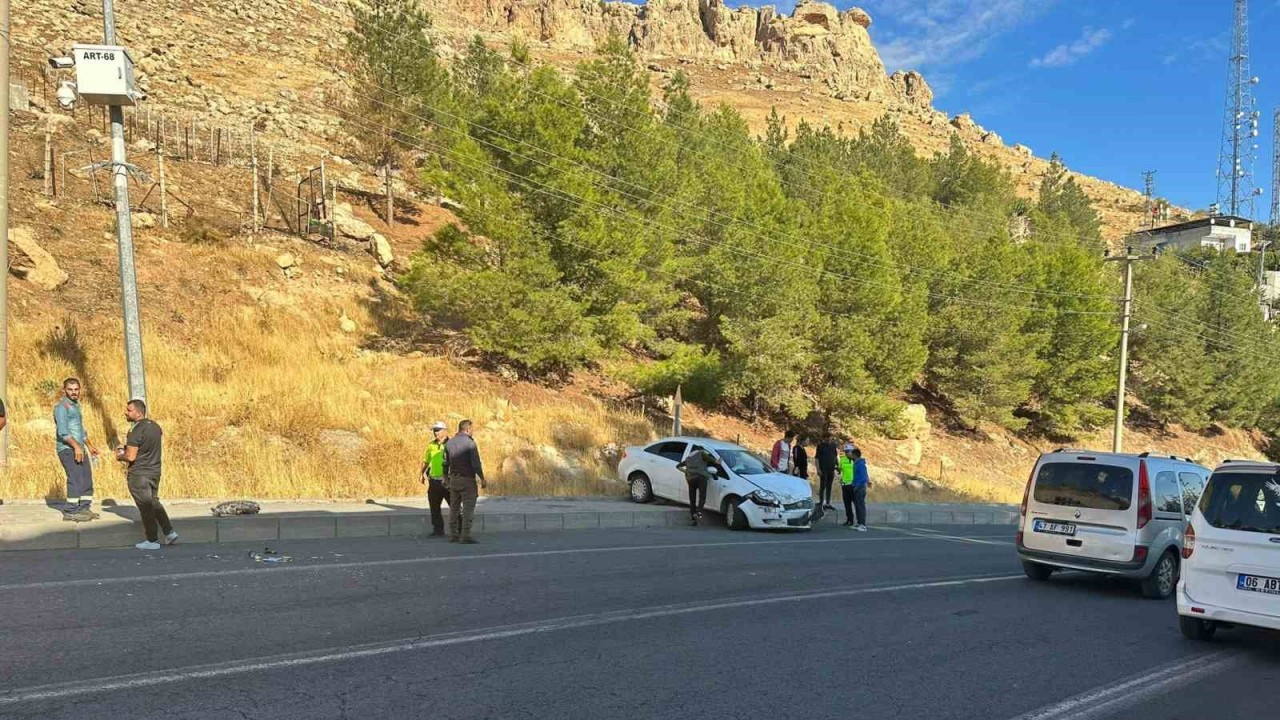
1054	528
1253	583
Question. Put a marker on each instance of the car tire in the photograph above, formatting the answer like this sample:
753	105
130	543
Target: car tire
641	490
1036	571
734	518
1197	629
1163	580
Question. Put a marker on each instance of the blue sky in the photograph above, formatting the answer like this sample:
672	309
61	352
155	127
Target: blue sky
1116	86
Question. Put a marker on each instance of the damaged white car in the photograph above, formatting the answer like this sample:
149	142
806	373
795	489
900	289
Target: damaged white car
750	494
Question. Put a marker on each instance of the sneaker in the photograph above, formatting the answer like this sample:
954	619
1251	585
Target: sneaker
862	528
453	538
148	545
171	538
694	520
436	533
469	541
848	524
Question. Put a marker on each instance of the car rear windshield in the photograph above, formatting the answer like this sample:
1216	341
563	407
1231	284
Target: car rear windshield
1243	501
1084	485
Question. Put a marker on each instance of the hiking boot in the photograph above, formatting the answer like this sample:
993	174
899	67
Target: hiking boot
148	545
78	516
171	538
453	538
468	540
436	533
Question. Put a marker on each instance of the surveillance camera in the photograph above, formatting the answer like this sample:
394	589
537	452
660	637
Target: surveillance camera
67	95
61	63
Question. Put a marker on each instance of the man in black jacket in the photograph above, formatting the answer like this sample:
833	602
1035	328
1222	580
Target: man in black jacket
826	454
463	470
697	473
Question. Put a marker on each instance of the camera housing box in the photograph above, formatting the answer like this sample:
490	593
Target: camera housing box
104	75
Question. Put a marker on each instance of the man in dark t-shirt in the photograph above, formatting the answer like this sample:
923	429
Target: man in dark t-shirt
142	454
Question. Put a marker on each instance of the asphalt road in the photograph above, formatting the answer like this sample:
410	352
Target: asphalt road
657	623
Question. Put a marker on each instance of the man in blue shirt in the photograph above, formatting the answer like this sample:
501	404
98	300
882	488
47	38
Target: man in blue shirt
75	453
860	482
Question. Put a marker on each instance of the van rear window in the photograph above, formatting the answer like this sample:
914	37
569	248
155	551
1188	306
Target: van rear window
1243	501
1084	485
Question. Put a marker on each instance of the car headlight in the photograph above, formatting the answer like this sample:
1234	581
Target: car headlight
765	498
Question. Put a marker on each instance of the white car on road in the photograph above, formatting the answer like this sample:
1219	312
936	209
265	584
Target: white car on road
749	495
1231	552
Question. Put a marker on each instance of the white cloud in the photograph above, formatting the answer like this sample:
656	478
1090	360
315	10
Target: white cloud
1068	53
920	34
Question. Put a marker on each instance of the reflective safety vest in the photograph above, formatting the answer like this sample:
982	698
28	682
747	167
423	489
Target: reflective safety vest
434	459
846	470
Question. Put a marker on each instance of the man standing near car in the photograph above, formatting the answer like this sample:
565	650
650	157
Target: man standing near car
780	458
75	453
826	454
141	453
853	488
462	468
433	475
697	474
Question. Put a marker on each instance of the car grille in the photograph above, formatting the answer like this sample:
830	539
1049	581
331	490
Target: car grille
798	522
805	504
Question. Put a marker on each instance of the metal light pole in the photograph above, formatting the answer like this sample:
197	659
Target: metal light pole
1128	259
124	235
4	222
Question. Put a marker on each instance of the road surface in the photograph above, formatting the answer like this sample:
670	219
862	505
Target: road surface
657	623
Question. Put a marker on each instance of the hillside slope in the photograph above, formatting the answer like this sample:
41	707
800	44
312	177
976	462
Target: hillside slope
270	63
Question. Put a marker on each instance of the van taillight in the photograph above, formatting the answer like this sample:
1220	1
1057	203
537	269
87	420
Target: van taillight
1026	492
1188	542
1144	495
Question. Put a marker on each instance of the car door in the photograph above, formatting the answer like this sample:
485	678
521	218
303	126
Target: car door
1192	488
1167	509
668	482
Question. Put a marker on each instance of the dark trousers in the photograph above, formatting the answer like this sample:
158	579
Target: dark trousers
855	502
79	479
436	494
697	493
462	506
826	477
146	494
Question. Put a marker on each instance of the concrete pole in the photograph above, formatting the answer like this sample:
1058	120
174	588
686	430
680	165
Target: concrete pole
124	235
1117	441
4	224
164	192
253	165
48	158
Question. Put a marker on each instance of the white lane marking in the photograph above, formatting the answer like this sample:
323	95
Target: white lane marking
63	691
1110	699
358	565
935	535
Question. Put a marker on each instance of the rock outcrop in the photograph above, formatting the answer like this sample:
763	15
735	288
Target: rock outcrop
830	45
33	263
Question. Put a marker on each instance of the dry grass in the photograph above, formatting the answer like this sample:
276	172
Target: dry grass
273	403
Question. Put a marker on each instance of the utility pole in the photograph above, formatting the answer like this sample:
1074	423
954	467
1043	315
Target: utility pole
124	235
4	222
1275	171
1149	185
1128	259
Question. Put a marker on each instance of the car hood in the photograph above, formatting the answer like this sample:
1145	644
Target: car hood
789	487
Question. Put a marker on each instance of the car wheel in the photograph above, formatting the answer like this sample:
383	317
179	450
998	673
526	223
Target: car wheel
1036	571
1197	629
734	518
641	488
1163	579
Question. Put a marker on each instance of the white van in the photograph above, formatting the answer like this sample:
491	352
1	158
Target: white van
1231	555
1110	513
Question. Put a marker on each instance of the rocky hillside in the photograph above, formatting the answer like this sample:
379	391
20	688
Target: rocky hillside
274	63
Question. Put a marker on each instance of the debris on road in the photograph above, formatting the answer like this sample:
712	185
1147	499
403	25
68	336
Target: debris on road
235	507
269	556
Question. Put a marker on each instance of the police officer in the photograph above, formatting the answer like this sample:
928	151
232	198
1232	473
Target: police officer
697	473
433	475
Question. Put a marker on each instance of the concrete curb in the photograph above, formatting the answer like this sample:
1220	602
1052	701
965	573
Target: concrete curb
267	528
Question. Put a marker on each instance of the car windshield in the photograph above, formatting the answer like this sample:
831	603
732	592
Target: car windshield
1084	485
1243	501
742	462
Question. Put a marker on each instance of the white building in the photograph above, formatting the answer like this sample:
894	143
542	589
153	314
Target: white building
1221	232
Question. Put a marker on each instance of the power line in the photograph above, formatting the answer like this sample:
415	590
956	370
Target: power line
953	209
648	193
